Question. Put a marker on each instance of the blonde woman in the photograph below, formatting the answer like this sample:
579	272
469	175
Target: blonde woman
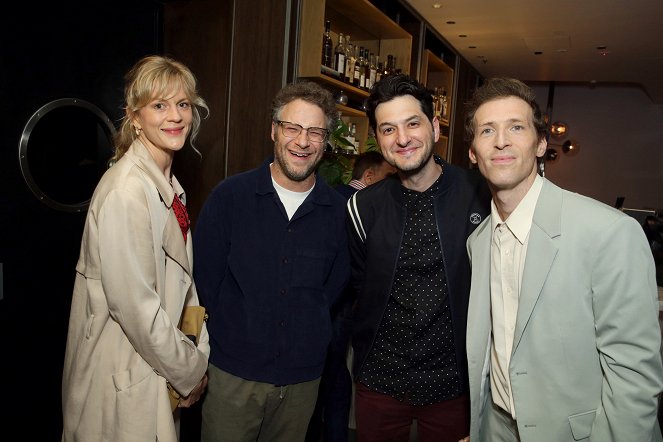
133	276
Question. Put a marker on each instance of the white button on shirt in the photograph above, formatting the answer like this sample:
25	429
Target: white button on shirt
508	252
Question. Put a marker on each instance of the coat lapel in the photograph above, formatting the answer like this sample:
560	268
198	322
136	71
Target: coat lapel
173	242
172	239
541	252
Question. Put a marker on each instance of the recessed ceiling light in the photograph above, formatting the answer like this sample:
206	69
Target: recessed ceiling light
562	50
538	52
601	48
471	47
463	35
451	22
437	5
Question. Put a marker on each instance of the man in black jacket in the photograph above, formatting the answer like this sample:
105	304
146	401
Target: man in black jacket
411	275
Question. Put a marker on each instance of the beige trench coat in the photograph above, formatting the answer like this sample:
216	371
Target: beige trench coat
133	278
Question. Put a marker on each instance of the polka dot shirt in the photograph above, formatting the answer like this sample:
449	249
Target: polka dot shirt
413	357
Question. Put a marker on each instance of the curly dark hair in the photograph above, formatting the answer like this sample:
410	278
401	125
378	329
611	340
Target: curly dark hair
397	85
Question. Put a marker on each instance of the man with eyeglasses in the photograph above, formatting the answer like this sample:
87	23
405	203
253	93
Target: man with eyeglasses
271	257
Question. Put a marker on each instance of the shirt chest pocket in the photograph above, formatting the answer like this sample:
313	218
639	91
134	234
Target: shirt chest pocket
311	268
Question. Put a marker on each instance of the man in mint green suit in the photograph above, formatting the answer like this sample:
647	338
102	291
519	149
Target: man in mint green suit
563	340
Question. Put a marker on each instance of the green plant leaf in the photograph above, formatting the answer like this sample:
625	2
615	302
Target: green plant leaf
372	145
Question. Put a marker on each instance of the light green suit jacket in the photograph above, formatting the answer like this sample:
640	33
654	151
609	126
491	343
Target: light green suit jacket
586	360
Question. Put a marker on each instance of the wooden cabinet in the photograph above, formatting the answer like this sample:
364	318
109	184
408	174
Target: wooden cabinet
437	75
367	27
386	27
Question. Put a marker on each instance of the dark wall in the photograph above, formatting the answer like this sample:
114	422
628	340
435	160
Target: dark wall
51	51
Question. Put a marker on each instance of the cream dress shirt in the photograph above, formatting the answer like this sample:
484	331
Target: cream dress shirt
508	250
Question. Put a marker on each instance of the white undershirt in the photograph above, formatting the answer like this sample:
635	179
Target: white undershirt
291	200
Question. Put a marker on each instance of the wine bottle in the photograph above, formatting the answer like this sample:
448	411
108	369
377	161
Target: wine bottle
362	68
339	56
327	46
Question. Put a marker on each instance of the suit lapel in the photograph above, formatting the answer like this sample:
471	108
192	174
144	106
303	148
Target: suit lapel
541	252
478	317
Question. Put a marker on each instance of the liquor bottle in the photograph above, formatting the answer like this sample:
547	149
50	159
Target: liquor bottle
387	66
367	69
355	141
379	70
349	60
356	68
350	139
437	108
444	105
339	56
372	69
327	46
362	68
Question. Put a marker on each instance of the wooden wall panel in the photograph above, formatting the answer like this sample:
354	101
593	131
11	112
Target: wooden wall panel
257	75
199	33
236	49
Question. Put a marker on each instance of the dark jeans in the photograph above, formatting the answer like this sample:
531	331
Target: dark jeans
332	409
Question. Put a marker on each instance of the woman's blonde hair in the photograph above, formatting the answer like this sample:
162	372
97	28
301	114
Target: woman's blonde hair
151	77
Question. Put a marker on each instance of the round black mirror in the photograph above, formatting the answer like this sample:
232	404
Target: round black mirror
64	150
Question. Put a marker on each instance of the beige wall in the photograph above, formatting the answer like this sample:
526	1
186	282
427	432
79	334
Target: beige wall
620	132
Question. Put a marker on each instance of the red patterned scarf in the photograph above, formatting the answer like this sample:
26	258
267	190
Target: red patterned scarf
182	216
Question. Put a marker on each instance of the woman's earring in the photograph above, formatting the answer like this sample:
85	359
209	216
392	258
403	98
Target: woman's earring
138	129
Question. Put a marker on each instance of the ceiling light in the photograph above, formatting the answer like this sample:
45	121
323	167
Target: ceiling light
436	6
558	129
570	147
463	35
451	22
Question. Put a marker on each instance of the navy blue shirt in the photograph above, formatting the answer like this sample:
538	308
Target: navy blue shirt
268	282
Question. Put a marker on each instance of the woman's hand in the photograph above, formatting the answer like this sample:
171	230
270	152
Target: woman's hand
195	394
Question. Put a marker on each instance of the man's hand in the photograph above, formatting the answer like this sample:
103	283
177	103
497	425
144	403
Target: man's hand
195	394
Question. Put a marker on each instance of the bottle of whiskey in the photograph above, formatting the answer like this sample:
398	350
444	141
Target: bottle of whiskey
356	70
362	68
444	105
388	66
372	72
339	56
327	46
349	61
353	134
379	70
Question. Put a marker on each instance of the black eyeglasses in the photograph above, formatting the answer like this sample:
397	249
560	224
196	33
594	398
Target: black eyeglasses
292	130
